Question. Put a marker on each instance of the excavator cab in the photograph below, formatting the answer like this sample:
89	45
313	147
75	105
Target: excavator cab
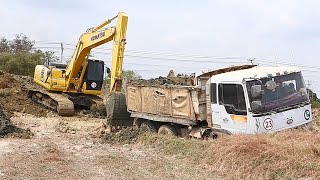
94	75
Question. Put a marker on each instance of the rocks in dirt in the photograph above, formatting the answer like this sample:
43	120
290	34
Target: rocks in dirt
124	136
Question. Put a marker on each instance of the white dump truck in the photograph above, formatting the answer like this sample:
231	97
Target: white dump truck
244	99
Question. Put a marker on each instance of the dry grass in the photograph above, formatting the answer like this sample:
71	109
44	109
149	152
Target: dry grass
292	154
286	155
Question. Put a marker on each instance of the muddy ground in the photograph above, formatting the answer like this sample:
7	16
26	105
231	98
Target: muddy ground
71	148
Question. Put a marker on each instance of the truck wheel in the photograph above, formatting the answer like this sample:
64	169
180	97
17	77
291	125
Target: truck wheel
148	127
168	129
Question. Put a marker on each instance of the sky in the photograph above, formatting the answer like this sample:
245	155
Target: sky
187	36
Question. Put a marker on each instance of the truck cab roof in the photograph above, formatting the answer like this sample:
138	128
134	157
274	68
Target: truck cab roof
254	72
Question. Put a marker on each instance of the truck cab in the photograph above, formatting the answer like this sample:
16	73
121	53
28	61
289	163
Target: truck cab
259	100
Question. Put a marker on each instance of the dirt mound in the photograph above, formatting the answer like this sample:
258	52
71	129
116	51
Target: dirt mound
6	81
13	95
7	129
124	136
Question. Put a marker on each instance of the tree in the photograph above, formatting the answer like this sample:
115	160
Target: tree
4	45
18	56
130	75
21	43
126	75
50	57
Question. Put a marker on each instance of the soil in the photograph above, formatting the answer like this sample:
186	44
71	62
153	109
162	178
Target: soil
7	129
124	136
13	95
14	98
4	121
71	148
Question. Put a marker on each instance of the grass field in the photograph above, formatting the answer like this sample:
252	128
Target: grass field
291	154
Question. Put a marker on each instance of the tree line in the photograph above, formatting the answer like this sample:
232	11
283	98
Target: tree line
18	55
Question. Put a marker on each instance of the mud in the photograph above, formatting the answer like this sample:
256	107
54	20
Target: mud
124	136
4	121
7	129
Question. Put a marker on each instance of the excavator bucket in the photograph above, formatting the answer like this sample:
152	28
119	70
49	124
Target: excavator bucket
117	114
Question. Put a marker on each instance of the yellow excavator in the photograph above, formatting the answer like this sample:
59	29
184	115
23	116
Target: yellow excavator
81	80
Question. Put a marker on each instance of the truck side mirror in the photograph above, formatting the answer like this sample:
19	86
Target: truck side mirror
255	105
256	91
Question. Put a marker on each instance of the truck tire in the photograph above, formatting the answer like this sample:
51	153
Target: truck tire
168	129
148	126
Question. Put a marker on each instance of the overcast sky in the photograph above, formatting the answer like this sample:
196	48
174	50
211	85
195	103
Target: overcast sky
286	31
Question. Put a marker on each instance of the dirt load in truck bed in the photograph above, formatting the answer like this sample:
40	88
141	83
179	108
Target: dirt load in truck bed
182	80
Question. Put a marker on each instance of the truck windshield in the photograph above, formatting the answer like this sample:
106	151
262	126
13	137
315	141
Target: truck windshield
290	90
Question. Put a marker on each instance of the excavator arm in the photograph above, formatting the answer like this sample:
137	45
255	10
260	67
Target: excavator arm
96	37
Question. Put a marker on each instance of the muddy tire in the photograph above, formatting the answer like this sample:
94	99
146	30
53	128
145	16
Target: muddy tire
168	129
148	126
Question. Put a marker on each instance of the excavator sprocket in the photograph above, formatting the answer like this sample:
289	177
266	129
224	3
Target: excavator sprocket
55	101
117	114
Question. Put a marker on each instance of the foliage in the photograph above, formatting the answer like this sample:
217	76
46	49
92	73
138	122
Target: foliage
20	63
315	102
18	56
20	44
126	75
130	75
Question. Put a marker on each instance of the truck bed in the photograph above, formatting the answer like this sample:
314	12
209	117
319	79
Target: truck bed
166	103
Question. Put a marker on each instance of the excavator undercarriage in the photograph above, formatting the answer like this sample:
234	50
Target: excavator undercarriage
54	101
65	104
114	107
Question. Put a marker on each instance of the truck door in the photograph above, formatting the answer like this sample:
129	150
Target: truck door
229	110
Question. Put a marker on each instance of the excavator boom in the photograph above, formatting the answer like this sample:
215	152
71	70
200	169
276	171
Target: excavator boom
96	37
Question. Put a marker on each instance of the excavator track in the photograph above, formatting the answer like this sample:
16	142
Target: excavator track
54	101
